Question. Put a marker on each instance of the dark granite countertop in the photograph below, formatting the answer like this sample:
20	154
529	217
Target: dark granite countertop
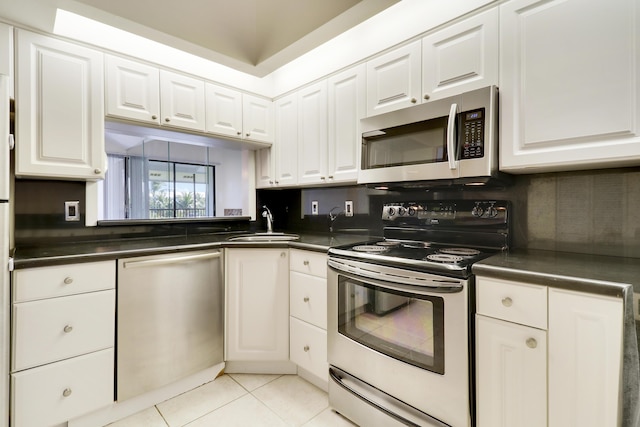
605	275
87	251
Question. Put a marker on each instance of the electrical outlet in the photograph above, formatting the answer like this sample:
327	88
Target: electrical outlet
636	306
314	207
348	208
72	211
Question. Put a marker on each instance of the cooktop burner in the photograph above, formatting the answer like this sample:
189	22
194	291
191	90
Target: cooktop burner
438	236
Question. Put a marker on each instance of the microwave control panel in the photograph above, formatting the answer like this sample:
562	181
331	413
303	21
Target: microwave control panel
472	134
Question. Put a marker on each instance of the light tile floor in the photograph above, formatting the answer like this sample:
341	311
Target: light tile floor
243	400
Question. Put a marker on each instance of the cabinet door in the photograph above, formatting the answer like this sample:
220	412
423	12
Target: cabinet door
393	79
511	366
265	168
224	110
568	93
257	327
285	148
132	90
257	114
182	101
461	58
60	113
347	105
312	134
585	342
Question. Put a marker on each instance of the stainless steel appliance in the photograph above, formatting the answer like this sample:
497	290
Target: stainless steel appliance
452	140
170	319
399	316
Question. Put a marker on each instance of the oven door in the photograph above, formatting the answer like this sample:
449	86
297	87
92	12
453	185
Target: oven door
402	333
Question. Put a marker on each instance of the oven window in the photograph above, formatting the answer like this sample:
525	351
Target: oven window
415	143
401	325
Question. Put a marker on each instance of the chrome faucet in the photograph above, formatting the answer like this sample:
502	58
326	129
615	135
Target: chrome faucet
333	217
266	213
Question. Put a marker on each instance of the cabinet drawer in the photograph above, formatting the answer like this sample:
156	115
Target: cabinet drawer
46	282
314	263
57	392
512	301
309	348
48	330
308	298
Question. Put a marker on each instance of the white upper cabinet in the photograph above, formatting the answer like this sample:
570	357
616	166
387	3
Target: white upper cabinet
224	110
257	115
394	79
569	78
461	57
347	105
182	101
60	113
312	134
132	90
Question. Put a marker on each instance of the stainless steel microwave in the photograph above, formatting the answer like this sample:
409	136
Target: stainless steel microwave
451	140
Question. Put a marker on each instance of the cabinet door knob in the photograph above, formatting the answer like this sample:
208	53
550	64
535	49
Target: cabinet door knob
282	254
532	343
413	100
270	182
330	176
167	119
239	133
305	299
248	134
507	302
305	262
306	348
68	328
68	280
426	96
66	392
97	171
154	117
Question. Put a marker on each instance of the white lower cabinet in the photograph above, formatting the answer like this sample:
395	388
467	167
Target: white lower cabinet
257	309
63	334
532	372
52	394
308	307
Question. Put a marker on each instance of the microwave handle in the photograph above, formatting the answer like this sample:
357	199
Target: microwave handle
451	136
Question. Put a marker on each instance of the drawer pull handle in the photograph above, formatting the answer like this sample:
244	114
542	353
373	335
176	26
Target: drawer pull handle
305	299
68	280
305	262
507	302
68	329
306	348
66	392
282	254
532	343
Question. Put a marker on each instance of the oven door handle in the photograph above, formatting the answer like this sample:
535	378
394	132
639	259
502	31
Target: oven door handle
397	282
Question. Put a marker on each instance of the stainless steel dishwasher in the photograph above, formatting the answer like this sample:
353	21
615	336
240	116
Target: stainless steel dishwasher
170	319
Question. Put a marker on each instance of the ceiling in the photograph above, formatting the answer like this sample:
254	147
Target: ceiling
254	36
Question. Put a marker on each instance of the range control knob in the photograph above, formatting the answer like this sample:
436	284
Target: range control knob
412	211
492	211
392	211
477	211
402	211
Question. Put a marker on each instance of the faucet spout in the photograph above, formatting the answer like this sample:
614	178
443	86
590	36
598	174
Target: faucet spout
266	213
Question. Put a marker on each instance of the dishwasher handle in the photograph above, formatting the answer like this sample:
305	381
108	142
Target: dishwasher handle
172	260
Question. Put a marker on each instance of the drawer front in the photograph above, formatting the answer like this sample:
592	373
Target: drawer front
308	348
46	282
512	301
48	330
308	298
55	393
314	263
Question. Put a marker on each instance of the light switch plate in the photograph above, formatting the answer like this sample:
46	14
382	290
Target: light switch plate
348	208
72	211
314	207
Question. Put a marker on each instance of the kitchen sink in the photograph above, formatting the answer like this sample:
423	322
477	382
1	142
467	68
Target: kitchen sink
264	237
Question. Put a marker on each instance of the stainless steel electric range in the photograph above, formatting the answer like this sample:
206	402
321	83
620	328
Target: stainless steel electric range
399	317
